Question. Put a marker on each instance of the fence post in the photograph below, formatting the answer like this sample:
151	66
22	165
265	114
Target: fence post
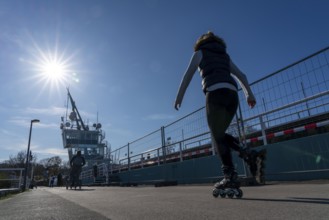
242	127
20	178
242	138
262	125
158	152
142	160
180	152
128	157
163	144
111	163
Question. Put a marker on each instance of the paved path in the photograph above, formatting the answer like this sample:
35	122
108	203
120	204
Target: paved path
276	201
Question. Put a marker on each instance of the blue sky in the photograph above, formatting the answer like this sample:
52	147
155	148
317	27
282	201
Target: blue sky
124	59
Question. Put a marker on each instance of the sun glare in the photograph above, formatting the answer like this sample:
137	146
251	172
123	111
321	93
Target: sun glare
53	70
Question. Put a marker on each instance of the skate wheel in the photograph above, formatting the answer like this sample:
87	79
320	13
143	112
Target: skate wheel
215	193
239	193
230	194
222	193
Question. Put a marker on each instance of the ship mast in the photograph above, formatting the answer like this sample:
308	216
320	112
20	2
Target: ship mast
75	115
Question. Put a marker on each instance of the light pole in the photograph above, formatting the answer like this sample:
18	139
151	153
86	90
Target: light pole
28	153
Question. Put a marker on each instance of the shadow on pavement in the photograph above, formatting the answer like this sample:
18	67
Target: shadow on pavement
293	199
81	189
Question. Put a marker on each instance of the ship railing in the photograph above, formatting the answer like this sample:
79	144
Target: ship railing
102	173
168	153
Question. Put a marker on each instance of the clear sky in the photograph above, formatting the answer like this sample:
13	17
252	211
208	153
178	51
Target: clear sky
124	59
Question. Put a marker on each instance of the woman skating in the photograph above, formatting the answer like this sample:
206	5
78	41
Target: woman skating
219	83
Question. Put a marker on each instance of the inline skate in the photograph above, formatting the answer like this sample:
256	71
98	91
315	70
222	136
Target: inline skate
229	186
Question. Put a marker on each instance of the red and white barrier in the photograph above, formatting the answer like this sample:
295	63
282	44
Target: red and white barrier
290	131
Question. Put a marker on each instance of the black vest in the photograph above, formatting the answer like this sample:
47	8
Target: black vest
215	65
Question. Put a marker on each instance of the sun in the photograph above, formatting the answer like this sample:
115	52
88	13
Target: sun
53	70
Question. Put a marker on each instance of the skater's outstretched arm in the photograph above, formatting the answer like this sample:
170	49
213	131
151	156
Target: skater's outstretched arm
193	66
243	81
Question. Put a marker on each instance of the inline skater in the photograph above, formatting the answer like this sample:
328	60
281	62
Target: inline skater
219	83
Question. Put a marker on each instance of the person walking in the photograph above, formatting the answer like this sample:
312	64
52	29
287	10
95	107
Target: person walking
77	162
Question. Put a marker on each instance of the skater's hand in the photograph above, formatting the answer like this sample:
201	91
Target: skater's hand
251	102
177	105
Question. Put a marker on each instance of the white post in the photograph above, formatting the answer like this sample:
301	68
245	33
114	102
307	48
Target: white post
262	125
20	179
180	152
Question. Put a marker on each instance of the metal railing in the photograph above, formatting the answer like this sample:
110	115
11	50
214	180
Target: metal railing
11	177
294	93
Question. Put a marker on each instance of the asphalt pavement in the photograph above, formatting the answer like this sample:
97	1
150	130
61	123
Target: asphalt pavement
272	201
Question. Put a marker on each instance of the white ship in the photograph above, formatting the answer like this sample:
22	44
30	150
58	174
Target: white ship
77	135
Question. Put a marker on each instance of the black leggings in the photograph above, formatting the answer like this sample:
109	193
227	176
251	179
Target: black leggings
221	106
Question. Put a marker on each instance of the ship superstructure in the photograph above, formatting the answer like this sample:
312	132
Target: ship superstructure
77	135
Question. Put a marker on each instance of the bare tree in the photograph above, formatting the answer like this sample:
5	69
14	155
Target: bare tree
17	160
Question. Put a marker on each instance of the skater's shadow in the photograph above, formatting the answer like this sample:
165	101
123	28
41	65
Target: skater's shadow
82	189
294	199
86	189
